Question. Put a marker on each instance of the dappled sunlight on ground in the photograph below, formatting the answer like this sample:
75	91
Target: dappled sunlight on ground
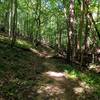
85	86
51	90
78	90
94	67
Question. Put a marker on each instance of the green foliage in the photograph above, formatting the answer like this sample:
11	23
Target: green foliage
45	21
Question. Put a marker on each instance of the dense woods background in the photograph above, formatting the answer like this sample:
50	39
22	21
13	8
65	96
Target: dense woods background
71	28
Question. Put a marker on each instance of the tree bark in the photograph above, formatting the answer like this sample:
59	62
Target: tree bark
71	35
14	22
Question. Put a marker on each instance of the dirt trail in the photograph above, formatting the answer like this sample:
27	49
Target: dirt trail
53	84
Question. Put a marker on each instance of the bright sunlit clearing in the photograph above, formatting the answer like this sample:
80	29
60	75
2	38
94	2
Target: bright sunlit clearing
55	74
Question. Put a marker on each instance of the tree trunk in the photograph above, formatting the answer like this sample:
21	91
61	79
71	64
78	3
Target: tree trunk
14	22
58	35
71	35
10	17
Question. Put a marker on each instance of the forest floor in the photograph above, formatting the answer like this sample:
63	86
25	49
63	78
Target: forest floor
32	74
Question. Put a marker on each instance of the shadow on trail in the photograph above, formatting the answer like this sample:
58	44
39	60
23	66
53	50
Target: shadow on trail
28	74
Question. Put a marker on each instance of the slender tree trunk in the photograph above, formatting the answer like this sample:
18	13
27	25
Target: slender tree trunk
67	25
81	25
14	21
58	34
80	39
10	17
92	20
71	35
98	12
59	39
27	23
38	21
86	35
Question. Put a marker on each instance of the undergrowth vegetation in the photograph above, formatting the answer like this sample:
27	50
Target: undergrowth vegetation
90	78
